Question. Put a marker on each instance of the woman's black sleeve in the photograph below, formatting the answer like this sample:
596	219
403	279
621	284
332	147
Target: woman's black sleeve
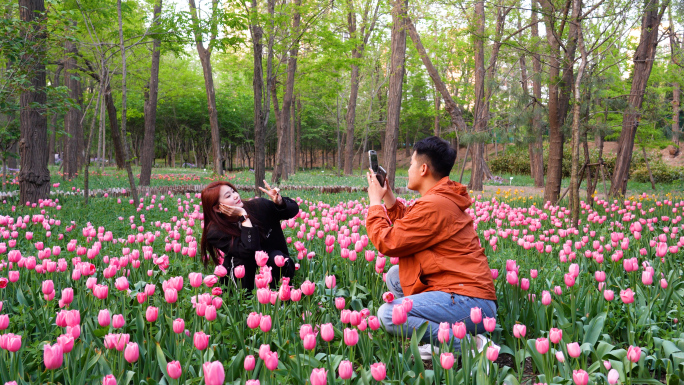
288	209
243	247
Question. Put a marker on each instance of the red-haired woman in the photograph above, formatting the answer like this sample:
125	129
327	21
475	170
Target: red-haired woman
241	228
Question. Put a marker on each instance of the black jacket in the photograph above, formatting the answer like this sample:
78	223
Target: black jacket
267	236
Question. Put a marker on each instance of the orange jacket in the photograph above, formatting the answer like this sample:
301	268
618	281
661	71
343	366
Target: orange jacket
435	241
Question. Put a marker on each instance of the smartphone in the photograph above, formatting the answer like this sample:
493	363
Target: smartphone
380	172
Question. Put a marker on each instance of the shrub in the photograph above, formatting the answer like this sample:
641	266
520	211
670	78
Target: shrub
662	173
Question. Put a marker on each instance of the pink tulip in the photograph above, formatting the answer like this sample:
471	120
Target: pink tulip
173	369
67	295
459	330
252	382
131	353
308	287
200	340
219	271
493	353
101	291
519	331
663	283
373	323
327	332
608	295
109	380
210	280
351	337
249	363
66	341
647	278
546	298
253	320
330	281
319	376
378	371
489	324
339	303
178	325
171	295
388	297
476	315
261	258
195	279
263	296
555	335
580	377
52	356
271	361
213	373
634	353
48	287
613	377
239	271
151	314
398	315
574	349
309	341
265	323
118	321
542	345
264	349
4	321
121	283
103	318
627	295
446	360
560	357
210	313
345	370
443	335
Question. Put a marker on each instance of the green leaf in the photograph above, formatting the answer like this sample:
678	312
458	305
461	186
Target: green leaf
418	362
129	376
161	360
594	329
235	368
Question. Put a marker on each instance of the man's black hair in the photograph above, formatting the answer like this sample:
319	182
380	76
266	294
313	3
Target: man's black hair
440	155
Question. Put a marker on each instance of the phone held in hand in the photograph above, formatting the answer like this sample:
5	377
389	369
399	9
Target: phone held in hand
380	172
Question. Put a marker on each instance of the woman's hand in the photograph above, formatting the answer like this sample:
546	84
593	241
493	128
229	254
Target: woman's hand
273	193
231	211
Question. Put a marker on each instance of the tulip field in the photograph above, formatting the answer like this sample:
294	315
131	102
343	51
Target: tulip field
115	293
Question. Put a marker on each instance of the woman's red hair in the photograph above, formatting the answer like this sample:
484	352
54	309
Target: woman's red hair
210	201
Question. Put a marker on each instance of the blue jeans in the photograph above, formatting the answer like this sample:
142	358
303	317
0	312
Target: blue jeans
433	307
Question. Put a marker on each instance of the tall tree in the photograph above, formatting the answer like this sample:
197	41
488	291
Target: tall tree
643	63
34	176
363	35
147	154
283	165
556	19
205	59
72	120
396	80
535	146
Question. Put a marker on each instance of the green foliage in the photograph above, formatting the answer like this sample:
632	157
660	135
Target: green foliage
662	173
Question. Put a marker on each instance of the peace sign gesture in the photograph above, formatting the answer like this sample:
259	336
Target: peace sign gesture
273	193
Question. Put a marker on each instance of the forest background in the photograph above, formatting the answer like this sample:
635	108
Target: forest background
297	84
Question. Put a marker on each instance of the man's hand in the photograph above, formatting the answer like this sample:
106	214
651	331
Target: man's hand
375	191
273	193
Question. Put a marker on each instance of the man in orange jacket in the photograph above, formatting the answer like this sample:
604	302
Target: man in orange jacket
442	267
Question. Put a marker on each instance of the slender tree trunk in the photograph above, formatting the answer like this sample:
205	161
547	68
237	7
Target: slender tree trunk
34	176
536	147
147	155
127	161
72	119
643	63
205	60
676	132
576	119
477	148
53	123
438	100
396	81
559	95
86	176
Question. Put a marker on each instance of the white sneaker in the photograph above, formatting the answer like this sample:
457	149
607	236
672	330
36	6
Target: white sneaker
481	342
427	350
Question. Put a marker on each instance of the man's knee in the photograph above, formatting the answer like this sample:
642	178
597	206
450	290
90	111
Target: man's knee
392	279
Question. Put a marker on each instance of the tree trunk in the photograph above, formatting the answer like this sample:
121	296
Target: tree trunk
559	95
438	100
643	63
396	81
114	128
53	123
147	155
576	118
72	119
127	161
34	176
205	60
536	147
479	108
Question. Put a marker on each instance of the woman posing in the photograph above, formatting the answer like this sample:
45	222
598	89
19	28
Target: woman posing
241	228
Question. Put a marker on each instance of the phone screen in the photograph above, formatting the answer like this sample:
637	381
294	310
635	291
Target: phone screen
373	159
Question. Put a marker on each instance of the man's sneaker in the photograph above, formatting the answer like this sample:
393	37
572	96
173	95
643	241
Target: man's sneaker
481	342
427	350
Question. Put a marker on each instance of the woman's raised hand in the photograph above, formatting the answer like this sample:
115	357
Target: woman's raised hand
273	193
231	211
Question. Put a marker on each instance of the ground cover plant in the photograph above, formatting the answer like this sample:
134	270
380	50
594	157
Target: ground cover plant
114	292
